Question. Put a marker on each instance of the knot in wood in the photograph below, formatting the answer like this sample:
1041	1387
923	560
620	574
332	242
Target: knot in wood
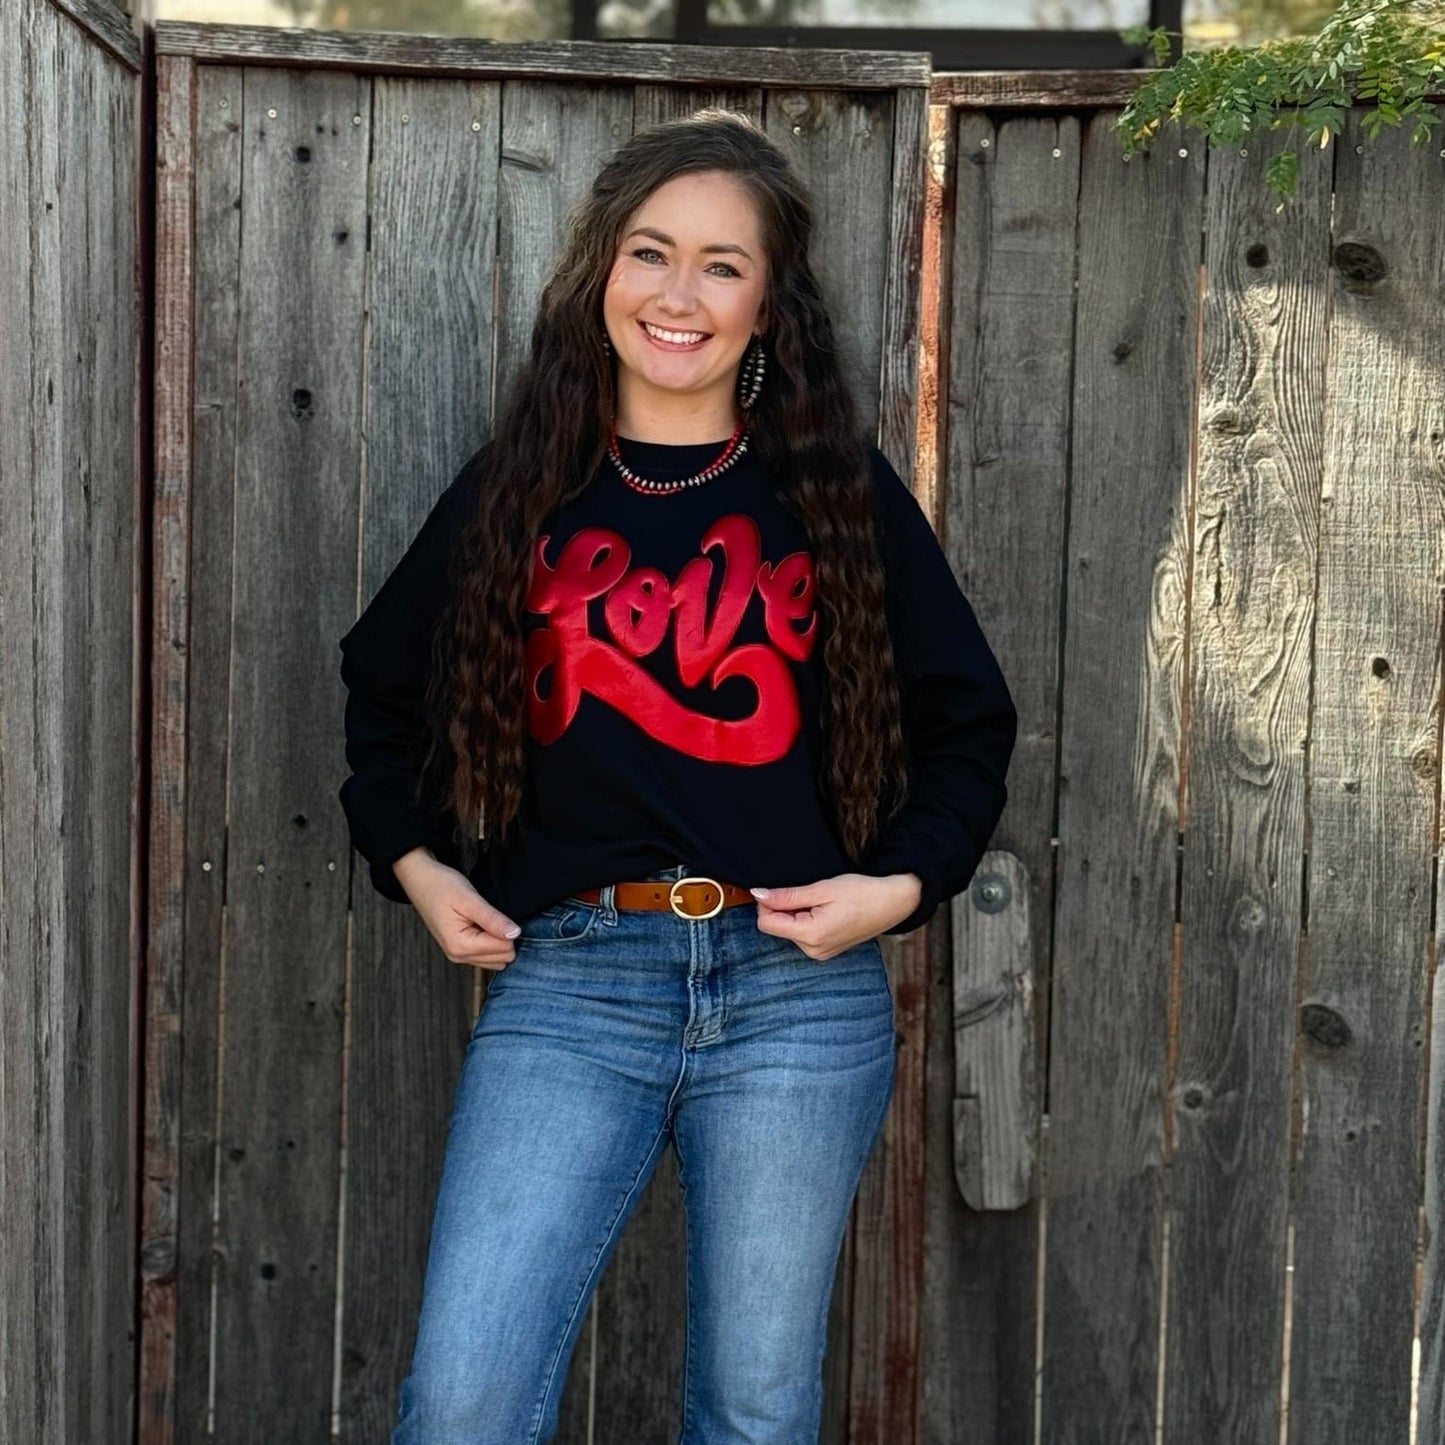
1324	1025
1359	264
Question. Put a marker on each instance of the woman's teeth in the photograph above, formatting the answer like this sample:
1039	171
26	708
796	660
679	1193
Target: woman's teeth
675	338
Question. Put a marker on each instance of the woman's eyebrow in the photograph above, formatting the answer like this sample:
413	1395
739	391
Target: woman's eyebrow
668	241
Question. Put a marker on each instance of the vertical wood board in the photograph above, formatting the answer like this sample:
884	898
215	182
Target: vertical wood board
299	364
1373	776
69	449
1254	520
1133	384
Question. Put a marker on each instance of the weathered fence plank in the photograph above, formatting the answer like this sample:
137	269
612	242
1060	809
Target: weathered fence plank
996	1096
1008	341
460	56
653	104
69	569
207	549
841	144
1254	523
1133	385
100	484
170	1153
105	25
29	1364
1373	772
299	359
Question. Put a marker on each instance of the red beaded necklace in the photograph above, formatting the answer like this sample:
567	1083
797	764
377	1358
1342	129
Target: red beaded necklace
733	448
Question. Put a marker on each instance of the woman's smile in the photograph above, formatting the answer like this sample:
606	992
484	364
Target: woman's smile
667	339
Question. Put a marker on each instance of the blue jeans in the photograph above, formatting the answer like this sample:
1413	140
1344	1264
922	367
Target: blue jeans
611	1034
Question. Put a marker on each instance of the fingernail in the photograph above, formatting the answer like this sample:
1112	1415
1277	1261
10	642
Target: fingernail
513	931
759	892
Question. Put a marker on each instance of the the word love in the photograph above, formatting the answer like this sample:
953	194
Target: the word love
641	607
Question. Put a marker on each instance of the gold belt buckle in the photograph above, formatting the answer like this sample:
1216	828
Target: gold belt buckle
679	882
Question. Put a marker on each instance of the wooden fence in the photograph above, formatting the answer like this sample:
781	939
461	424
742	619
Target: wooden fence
353	234
1194	449
72	717
1164	1157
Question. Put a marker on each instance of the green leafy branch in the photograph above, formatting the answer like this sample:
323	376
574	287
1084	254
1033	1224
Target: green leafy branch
1391	52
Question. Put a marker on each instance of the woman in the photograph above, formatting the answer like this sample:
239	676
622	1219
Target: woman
716	715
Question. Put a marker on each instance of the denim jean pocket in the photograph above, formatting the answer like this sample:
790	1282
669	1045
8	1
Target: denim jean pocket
568	921
870	953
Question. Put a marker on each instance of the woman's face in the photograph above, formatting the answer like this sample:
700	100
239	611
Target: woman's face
690	261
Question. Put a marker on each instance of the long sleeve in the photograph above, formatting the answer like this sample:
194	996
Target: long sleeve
386	658
959	721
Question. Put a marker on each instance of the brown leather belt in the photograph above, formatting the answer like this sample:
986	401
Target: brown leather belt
691	898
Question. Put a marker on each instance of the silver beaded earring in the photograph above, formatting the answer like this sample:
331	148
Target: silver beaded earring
750	374
606	342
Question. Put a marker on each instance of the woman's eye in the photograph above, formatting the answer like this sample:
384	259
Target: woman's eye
641	252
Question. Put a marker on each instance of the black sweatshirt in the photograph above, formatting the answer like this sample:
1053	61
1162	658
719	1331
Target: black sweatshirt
673	672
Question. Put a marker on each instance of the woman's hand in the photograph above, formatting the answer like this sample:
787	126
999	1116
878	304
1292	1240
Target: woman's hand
466	927
825	917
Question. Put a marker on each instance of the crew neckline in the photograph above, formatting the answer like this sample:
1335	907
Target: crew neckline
666	451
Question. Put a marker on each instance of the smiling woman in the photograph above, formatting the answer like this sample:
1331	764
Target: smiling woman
715	714
679	318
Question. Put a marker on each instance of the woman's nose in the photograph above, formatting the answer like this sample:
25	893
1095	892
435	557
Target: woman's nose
679	294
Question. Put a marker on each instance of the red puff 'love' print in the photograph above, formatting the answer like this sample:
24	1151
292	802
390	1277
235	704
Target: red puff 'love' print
641	606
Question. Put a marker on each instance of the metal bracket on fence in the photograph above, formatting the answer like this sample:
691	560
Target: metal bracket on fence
995	1104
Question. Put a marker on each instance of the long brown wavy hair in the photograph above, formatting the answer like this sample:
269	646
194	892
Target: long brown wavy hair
551	437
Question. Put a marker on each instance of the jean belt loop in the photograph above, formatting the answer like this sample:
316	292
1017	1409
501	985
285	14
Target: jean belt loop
607	904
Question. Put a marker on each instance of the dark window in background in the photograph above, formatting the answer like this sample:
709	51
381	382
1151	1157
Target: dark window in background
959	34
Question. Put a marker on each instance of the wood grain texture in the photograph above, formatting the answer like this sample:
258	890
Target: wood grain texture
104	26
441	56
1034	90
51	204
1253	523
840	143
164	1097
896	427
24	1197
554	139
1373	773
299	360
996	1098
1132	390
69	963
1006	344
652	104
202	320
